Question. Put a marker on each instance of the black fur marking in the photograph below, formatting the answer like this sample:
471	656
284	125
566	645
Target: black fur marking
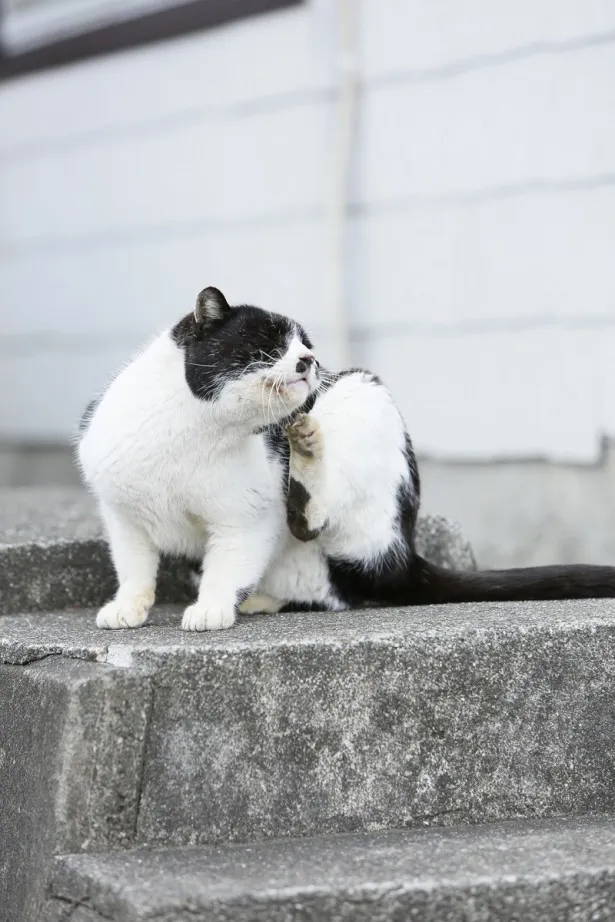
374	379
277	445
415	480
428	584
304	606
384	579
230	342
298	499
88	413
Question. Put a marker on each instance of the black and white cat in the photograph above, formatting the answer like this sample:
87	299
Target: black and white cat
225	442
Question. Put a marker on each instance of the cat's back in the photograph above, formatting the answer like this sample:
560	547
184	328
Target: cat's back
140	416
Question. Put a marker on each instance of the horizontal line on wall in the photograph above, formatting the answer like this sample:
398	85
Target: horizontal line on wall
128	131
97	342
44	147
487	61
455	200
114	237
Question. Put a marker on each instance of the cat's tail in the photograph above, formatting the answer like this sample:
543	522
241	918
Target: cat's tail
428	584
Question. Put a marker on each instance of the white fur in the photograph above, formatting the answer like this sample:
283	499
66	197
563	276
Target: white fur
363	440
177	474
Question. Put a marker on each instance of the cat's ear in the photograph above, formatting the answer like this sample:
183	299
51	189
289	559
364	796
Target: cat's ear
211	305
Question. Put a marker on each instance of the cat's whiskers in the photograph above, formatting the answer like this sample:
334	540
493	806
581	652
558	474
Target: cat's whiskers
256	363
263	383
272	390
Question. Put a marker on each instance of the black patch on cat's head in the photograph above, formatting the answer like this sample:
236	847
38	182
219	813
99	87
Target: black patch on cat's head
222	342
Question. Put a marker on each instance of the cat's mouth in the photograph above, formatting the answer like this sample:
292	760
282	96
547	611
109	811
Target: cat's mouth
285	383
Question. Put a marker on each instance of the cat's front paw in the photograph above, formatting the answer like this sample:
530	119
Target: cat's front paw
124	613
305	436
199	617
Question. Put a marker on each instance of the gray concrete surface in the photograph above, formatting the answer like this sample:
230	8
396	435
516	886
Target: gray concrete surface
71	746
52	554
551	871
289	725
299	724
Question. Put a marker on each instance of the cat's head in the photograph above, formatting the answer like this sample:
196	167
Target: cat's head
254	364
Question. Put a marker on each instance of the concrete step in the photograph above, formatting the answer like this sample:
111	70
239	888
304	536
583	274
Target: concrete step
551	871
297	725
52	554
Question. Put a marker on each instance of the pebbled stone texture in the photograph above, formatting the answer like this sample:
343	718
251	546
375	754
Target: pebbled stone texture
442	542
297	724
52	554
71	751
553	871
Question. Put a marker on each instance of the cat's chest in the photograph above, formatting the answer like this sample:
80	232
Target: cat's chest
185	504
242	466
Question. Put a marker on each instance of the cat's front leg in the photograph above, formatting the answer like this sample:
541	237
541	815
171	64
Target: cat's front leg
136	562
305	507
234	563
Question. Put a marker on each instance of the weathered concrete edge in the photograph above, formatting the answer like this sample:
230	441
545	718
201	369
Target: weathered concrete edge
29	638
584	897
73	737
530	870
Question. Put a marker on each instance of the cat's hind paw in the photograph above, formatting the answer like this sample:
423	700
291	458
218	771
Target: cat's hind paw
125	613
260	604
305	436
199	617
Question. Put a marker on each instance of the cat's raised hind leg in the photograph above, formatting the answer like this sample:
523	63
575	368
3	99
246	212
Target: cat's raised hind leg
306	506
135	559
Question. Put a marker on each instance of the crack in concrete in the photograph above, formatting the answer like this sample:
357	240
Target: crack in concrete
144	747
74	903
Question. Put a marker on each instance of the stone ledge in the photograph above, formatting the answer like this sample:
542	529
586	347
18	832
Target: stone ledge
52	554
71	751
298	724
547	871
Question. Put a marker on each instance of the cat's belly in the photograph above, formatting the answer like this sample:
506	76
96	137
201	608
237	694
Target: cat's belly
300	573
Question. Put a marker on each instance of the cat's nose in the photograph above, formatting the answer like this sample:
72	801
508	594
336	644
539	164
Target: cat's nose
305	363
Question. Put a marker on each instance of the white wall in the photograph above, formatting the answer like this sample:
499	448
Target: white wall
481	275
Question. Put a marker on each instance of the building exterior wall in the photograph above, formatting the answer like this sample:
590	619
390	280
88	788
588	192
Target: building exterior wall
480	277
